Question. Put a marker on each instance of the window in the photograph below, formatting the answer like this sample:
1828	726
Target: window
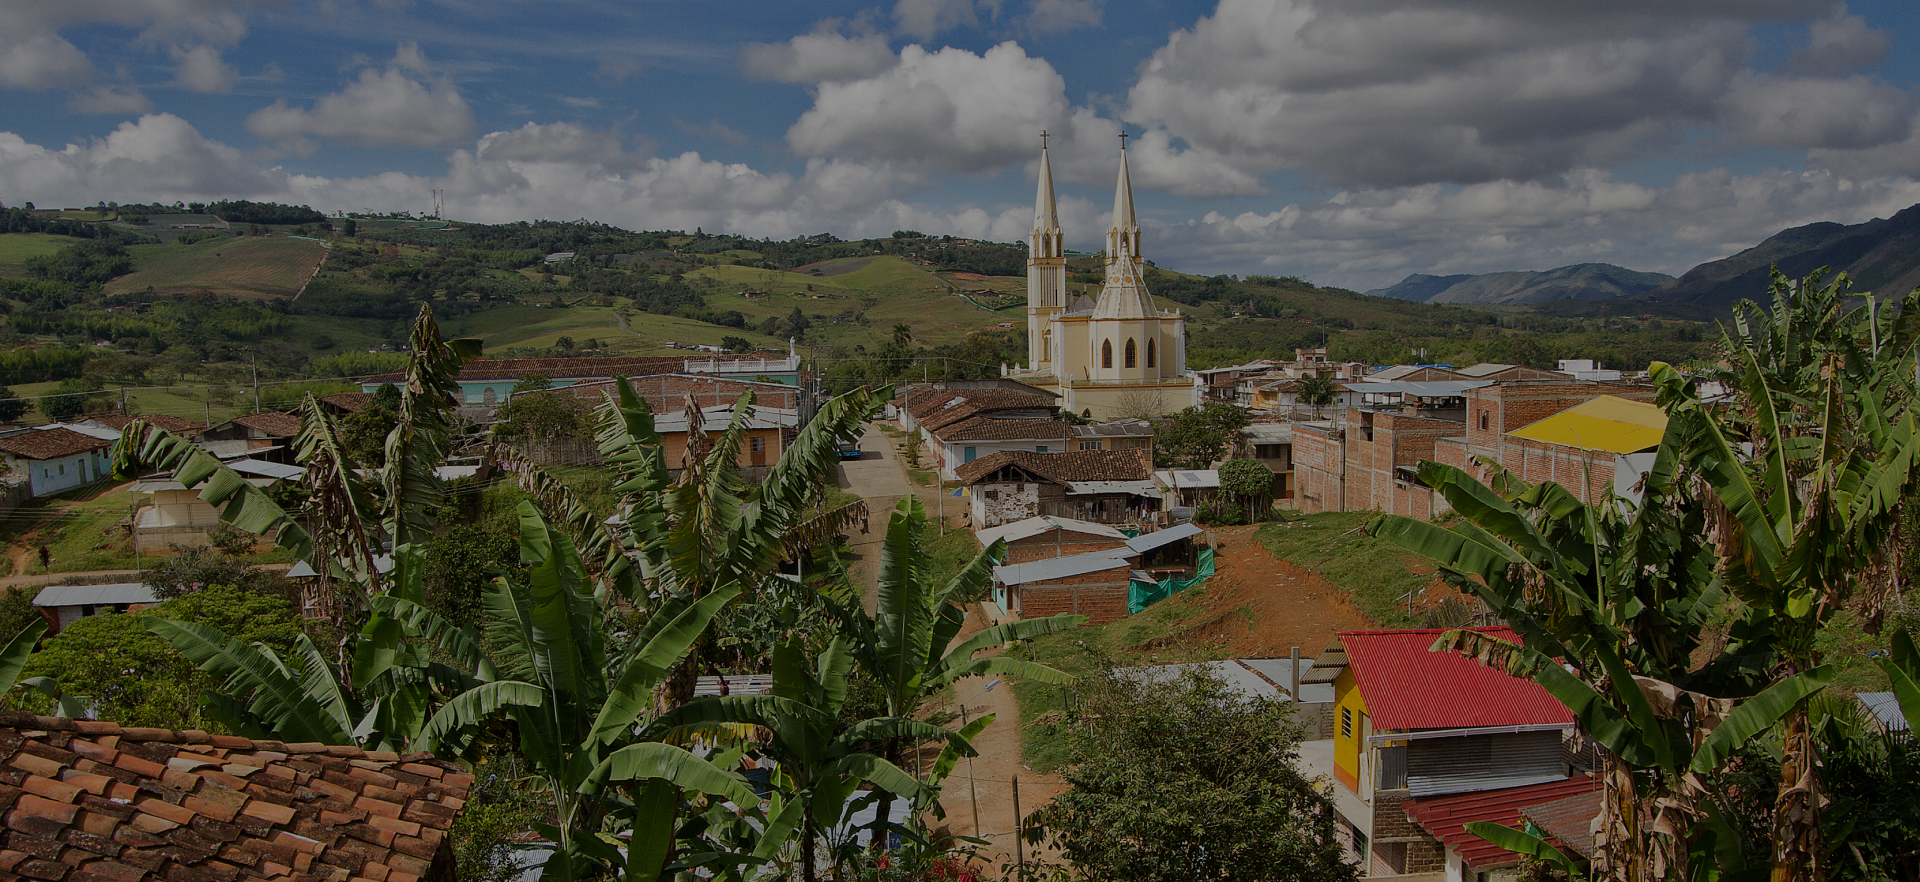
1106	353
993	494
757	445
1089	445
1346	722
1150	353
63	468
1483	421
1040	449
1132	353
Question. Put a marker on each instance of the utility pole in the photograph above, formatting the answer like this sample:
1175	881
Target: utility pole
1019	833
973	790
253	361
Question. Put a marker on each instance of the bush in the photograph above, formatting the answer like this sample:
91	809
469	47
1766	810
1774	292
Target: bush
231	540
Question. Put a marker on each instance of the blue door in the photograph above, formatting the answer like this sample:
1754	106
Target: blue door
968	455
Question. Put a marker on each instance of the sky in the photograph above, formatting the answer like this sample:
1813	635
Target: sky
1348	142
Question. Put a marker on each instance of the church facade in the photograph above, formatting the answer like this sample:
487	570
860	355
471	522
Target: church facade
1115	355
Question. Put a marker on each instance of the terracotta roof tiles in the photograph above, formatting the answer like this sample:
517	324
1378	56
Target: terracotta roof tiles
51	443
1134	464
158	420
349	402
84	800
989	429
272	424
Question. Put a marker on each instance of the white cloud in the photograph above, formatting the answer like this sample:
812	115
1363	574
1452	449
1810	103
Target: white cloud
1055	16
825	55
714	129
924	19
378	108
1402	92
1841	44
1371	238
202	70
41	61
159	157
945	110
110	101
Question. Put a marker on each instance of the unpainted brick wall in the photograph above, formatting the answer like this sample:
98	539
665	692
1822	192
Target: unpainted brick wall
1045	547
1102	597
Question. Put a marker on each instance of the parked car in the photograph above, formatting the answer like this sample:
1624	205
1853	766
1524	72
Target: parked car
850	450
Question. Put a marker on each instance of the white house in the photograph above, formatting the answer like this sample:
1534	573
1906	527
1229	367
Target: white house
177	515
62	605
55	459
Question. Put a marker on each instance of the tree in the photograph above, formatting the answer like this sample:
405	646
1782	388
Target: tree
1198	436
68	400
736	344
1812	516
363	434
196	568
906	648
1317	392
1248	481
135	678
1187	780
12	407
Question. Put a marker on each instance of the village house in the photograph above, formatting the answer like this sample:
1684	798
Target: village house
1042	537
62	605
766	436
345	404
93	800
1103	486
1414	728
486	382
175	515
269	436
955	444
669	392
1601	444
1097	584
54	459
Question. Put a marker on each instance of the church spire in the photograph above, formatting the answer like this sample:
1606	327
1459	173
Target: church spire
1046	214
1125	226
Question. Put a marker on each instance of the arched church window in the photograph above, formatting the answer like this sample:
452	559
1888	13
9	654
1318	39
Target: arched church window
1106	353
1133	354
1150	362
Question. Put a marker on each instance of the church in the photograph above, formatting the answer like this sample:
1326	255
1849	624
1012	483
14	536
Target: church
1115	355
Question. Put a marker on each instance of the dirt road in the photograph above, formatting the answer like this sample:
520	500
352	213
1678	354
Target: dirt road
880	478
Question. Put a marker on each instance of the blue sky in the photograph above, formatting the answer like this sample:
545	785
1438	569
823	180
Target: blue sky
1347	141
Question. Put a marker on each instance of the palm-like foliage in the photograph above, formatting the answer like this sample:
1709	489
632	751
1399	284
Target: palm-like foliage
1611	604
822	758
908	647
1811	518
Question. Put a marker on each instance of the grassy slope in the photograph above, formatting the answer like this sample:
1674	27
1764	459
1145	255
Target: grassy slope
240	267
535	326
17	247
1377	574
888	290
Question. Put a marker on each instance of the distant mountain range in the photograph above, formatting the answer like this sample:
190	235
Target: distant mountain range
1583	281
1881	255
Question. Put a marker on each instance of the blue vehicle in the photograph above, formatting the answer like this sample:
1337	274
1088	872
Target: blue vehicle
850	450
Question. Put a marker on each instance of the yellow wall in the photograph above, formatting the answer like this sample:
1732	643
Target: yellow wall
1347	747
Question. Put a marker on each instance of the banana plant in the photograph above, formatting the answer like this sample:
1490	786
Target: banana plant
13	659
1610	603
1902	667
908	647
1811	470
822	758
548	630
680	537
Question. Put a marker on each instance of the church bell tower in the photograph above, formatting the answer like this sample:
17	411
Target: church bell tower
1046	269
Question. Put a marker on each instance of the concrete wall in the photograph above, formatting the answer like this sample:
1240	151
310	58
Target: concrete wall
994	504
49	476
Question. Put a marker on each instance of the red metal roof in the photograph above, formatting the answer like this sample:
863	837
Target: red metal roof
1446	817
1408	687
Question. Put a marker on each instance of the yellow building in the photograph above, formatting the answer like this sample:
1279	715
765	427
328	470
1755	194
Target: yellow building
1114	356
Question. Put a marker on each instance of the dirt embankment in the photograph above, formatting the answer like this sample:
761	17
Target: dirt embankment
1256	606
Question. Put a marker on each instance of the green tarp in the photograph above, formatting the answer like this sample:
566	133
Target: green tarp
1141	595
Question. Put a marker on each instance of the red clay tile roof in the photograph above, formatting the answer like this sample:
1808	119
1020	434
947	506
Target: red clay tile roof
931	406
1446	817
351	402
271	424
1134	464
990	429
159	420
50	443
94	801
1407	687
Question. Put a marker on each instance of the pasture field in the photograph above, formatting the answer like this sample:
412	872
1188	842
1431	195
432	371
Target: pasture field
884	291
17	247
646	334
247	267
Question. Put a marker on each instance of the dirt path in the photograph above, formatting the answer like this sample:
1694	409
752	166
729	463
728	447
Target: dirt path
880	478
988	780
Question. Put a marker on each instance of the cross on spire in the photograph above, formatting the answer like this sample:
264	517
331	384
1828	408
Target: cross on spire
1123	139
1043	139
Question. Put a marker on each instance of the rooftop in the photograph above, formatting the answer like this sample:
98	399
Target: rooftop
351	402
271	423
1446	817
1407	686
983	428
1604	423
92	800
1066	467
1036	526
568	368
95	595
1061	567
56	443
174	424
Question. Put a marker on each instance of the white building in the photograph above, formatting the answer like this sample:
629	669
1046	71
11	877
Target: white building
55	459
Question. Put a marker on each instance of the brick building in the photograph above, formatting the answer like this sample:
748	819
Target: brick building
1094	585
1367	461
1044	537
1104	486
668	392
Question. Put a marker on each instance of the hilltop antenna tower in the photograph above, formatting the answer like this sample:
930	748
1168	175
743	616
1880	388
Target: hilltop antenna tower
437	205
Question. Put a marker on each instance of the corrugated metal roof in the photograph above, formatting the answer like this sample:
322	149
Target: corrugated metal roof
1408	687
1034	526
1146	542
1886	708
1237	677
1188	479
301	569
1279	670
1060	567
1446	817
94	595
1419	389
1604	423
266	469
